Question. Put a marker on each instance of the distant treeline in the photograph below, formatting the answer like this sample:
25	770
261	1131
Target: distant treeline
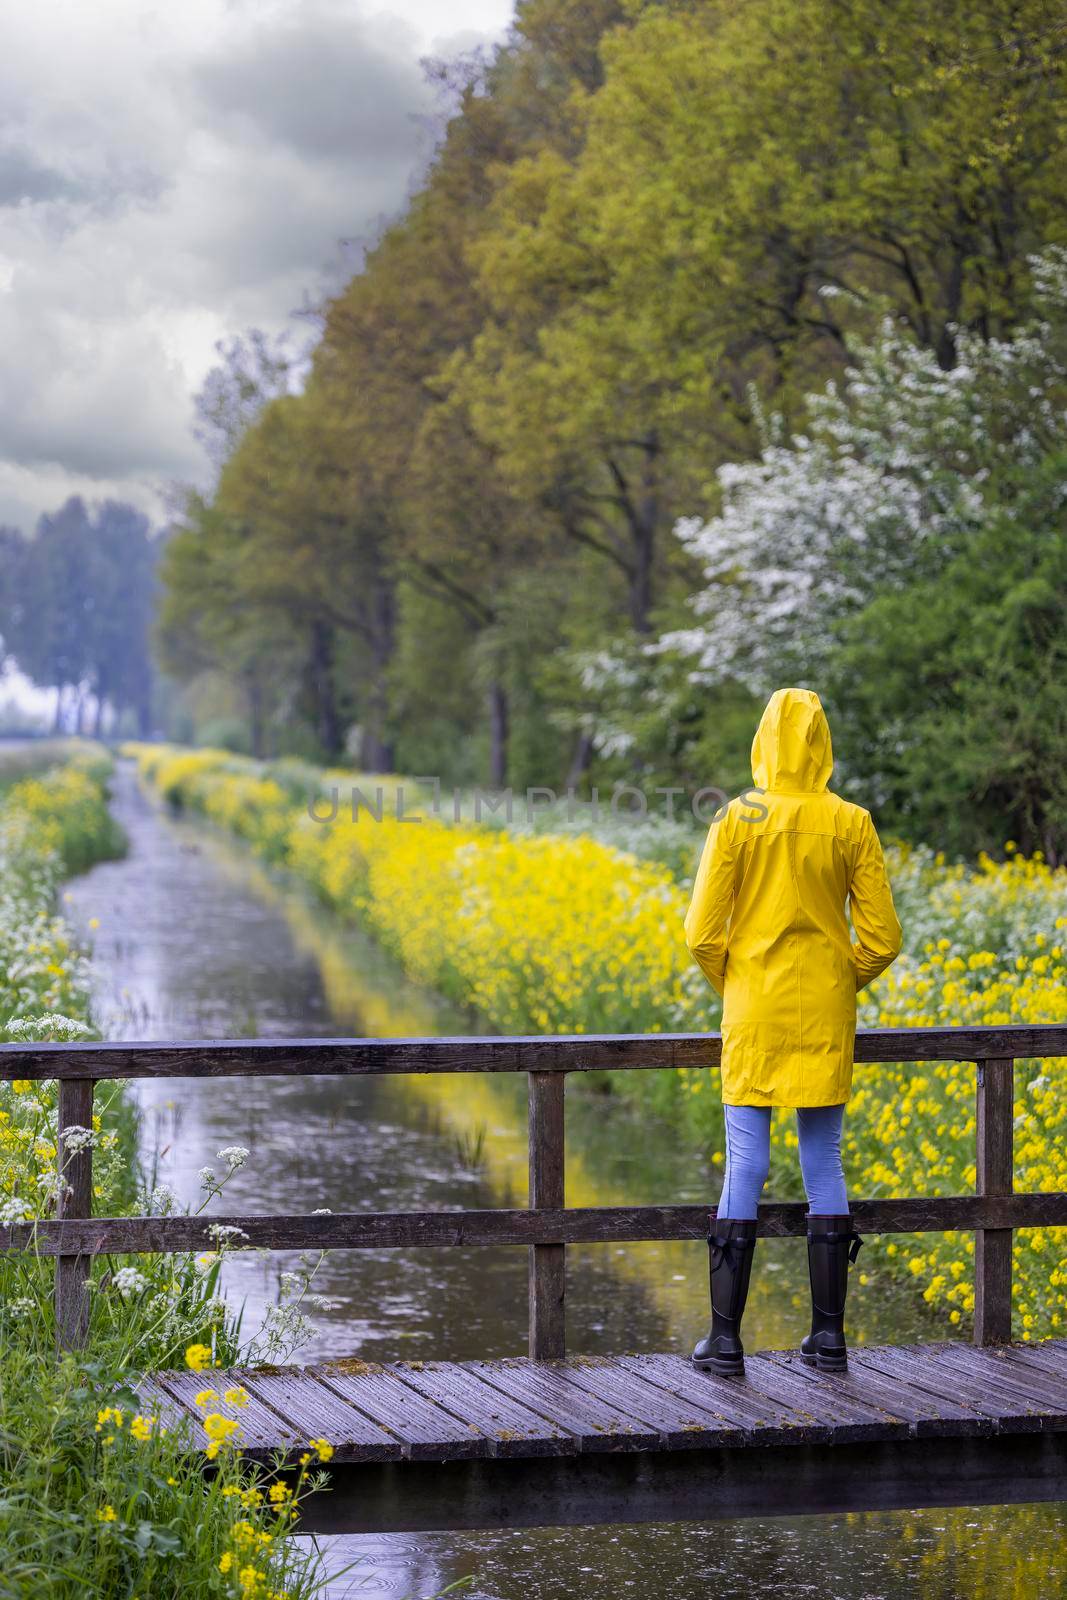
729	263
76	606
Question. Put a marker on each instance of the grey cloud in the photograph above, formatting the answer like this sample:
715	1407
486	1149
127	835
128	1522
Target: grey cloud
326	83
23	177
120	409
70	193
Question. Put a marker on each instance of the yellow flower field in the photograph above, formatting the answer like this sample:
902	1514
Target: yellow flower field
568	933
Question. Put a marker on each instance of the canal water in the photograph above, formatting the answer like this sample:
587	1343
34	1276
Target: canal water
192	938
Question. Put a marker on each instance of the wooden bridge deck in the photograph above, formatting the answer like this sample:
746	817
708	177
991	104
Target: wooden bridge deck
639	1437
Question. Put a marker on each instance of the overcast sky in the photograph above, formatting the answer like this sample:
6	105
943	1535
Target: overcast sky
172	173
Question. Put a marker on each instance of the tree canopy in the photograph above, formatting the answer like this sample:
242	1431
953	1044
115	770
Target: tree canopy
652	232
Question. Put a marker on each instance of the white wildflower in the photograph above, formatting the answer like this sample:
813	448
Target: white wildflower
129	1280
76	1139
234	1155
163	1201
51	1026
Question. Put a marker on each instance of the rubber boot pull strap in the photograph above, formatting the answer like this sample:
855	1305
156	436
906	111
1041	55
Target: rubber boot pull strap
724	1248
854	1241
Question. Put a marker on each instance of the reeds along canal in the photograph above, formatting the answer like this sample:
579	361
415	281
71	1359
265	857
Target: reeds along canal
195	939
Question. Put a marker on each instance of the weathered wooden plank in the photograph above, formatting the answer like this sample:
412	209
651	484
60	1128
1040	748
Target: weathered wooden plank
171	1414
262	1429
74	1199
851	1420
214	1058
599	1425
759	1420
1049	1355
511	1427
547	1262
994	1174
426	1431
1026	1391
930	1418
1015	1358
681	1422
991	1399
901	1365
577	1225
317	1412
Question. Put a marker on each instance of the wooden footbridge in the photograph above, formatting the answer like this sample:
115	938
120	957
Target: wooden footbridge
548	1438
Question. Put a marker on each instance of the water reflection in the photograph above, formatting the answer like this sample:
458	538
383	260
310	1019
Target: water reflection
197	940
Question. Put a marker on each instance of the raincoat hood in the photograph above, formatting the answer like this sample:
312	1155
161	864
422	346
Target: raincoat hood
792	749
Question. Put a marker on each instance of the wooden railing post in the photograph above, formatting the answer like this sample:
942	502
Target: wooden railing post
548	1262
994	1174
75	1199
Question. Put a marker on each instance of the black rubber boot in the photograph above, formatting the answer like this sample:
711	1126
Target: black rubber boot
832	1244
730	1247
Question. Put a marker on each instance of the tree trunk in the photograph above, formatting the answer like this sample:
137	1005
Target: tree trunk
378	749
498	734
583	750
255	717
324	689
57	715
643	529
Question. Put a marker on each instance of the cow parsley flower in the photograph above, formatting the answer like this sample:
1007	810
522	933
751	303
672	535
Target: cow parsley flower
234	1155
129	1280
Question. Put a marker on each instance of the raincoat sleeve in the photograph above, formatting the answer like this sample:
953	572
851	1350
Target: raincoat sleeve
874	916
711	905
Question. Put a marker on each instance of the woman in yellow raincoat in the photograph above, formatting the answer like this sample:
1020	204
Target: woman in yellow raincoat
769	929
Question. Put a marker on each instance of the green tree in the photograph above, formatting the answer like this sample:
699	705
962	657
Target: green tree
737	166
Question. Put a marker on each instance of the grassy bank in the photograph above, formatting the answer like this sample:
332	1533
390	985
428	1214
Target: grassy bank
545	932
97	1497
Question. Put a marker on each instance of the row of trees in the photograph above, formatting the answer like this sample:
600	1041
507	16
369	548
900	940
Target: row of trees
650	225
76	607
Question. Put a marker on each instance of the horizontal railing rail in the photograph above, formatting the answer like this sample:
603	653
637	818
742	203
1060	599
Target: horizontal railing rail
571	1052
547	1226
406	1230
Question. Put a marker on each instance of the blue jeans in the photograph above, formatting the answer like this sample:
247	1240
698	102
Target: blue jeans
748	1159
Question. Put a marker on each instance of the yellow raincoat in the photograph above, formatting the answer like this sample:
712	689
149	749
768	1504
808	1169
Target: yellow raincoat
767	921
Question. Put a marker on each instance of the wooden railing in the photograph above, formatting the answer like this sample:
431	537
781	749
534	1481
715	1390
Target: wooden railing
547	1225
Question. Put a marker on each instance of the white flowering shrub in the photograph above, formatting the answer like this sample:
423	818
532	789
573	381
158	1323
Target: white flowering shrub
882	487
